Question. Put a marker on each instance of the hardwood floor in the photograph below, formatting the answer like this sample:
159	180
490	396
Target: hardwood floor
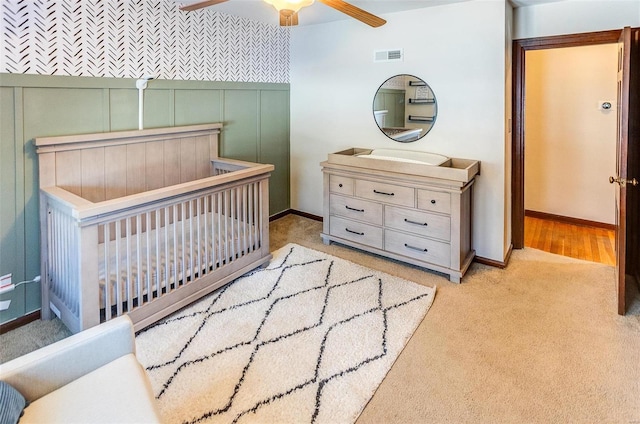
577	241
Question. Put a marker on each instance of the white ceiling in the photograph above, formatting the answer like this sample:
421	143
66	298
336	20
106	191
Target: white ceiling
319	13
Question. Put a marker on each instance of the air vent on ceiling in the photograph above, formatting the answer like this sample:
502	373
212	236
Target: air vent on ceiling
394	55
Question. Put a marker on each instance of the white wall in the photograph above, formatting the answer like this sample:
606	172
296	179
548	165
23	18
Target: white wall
571	144
575	16
458	49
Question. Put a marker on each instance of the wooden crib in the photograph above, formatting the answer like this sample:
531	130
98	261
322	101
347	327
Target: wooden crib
145	222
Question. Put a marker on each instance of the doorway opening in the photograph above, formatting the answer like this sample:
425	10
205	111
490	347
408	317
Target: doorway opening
570	125
548	227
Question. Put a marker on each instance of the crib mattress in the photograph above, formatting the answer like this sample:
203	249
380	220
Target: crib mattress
163	259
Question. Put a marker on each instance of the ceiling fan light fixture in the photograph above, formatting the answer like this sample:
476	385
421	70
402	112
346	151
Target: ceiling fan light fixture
293	5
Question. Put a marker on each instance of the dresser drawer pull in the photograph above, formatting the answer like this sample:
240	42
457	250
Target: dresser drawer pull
382	192
354	232
433	202
415	222
354	209
408	246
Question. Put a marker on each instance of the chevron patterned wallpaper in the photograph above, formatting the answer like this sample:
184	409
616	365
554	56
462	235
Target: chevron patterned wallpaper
132	38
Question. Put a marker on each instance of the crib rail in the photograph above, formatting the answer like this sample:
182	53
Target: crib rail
154	252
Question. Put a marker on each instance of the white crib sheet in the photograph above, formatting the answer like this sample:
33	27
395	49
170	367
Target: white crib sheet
225	239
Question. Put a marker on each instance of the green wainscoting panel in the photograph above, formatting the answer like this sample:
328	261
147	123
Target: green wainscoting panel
256	128
16	305
61	111
123	109
158	108
274	145
393	101
8	183
241	119
11	204
198	106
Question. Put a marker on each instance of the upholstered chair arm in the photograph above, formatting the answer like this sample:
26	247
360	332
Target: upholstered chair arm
51	367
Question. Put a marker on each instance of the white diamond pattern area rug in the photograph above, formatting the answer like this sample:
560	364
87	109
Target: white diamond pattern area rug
306	339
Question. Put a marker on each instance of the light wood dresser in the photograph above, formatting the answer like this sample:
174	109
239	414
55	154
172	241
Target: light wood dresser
405	210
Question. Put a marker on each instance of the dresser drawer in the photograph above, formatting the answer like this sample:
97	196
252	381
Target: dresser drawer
420	248
342	185
356	231
435	201
350	207
387	193
418	222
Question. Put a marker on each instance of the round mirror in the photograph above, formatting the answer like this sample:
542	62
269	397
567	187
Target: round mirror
405	108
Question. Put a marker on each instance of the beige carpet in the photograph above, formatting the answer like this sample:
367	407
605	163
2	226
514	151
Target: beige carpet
537	342
307	339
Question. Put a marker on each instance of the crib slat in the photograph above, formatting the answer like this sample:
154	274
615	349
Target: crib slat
167	272
255	216
261	212
74	265
118	296
245	220
175	245
254	222
128	264
184	244
139	260
158	266
196	239
56	255
64	243
219	196
52	243
50	250
199	241
243	203
107	272
229	234
148	249
232	216
189	276
62	284
213	232
238	219
207	208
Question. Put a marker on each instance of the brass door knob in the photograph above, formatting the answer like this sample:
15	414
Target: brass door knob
622	181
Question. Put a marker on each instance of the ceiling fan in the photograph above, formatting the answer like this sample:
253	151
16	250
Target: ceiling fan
288	10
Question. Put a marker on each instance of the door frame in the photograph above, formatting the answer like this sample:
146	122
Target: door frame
520	47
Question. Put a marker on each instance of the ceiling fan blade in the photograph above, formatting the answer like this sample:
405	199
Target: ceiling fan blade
355	12
200	5
288	17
